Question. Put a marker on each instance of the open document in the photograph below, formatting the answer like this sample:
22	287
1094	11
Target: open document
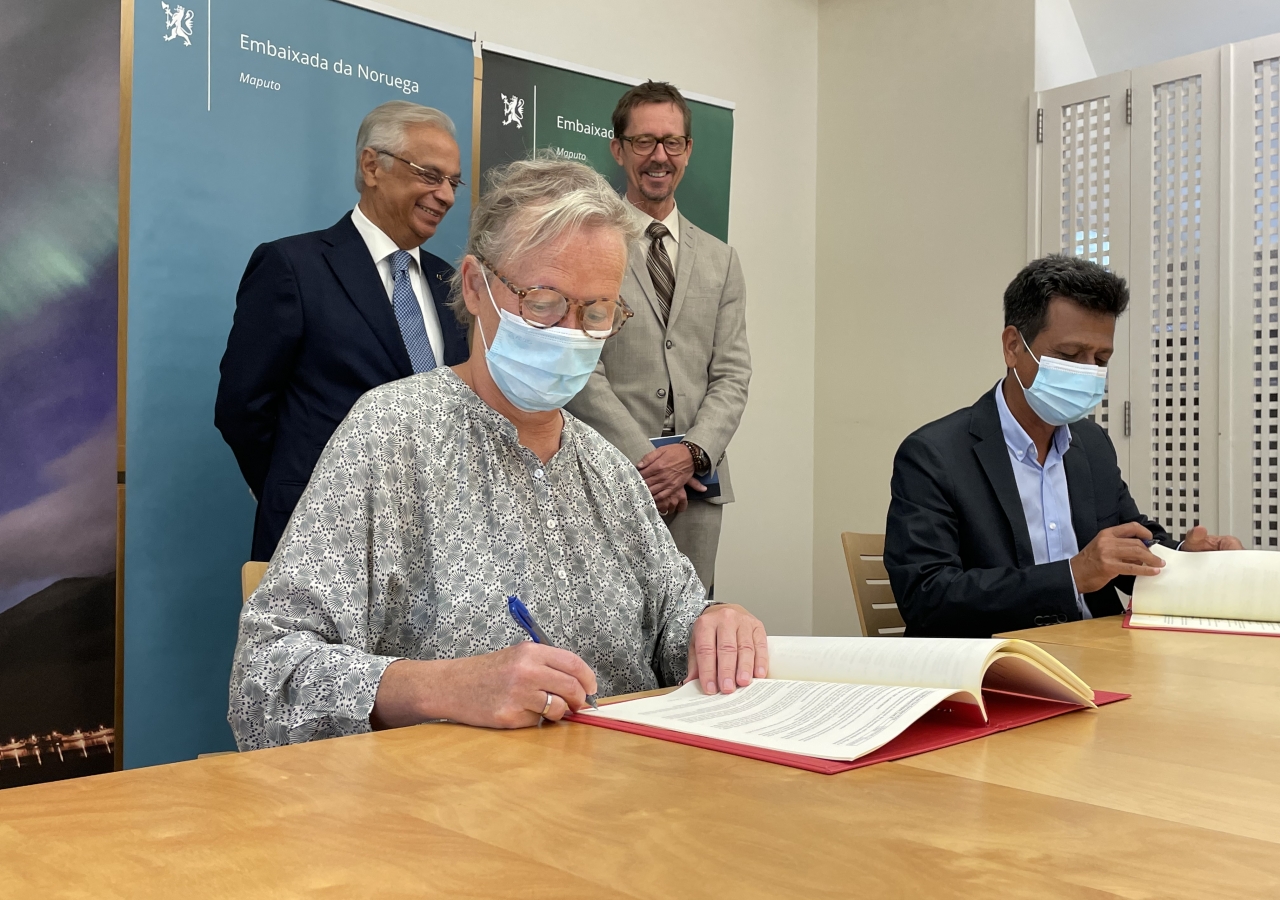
1233	591
829	721
839	698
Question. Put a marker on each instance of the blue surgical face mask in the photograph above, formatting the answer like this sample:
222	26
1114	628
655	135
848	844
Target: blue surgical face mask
538	369
1063	392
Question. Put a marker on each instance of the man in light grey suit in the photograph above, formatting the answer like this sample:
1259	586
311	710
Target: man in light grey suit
681	366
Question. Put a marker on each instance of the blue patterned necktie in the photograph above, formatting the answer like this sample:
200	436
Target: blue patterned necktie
409	314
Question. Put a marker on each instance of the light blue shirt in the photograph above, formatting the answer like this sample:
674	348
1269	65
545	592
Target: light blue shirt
1043	491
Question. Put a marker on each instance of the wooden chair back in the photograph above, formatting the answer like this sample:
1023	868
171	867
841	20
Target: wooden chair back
877	608
250	577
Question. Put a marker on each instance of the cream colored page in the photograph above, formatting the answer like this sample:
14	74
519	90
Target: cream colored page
1195	623
1230	584
1026	670
829	721
955	663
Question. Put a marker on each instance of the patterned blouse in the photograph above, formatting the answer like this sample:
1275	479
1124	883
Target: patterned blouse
422	516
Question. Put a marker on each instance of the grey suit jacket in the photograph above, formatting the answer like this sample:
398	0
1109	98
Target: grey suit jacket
701	353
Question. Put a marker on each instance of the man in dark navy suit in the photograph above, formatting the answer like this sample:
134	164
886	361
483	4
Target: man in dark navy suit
323	317
1012	513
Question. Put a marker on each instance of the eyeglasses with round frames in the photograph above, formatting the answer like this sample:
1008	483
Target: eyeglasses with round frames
430	177
544	307
644	144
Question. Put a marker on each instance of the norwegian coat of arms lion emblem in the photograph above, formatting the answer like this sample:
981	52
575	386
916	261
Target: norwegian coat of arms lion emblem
178	21
513	109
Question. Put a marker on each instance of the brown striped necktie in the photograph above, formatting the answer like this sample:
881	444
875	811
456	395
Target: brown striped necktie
664	283
660	271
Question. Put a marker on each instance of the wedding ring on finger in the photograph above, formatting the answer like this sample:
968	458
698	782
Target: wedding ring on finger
546	709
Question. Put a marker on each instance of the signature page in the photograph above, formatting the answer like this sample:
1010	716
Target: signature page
1232	584
830	721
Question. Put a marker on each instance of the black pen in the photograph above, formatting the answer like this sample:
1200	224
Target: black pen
525	620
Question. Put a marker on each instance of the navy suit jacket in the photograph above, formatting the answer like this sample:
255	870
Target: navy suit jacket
313	330
957	546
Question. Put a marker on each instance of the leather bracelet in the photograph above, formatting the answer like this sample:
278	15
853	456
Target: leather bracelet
701	462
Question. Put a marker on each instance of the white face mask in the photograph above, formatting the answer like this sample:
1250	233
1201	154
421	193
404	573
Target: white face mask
538	369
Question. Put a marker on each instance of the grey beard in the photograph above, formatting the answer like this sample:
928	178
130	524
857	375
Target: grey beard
654	198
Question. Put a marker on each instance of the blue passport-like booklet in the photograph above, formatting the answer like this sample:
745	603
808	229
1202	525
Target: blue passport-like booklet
712	481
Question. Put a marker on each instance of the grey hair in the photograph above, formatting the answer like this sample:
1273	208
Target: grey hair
531	203
383	129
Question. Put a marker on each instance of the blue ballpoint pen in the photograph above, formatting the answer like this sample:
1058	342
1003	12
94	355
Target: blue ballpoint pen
521	614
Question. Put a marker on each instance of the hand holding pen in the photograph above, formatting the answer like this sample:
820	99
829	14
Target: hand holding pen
1119	550
525	620
514	687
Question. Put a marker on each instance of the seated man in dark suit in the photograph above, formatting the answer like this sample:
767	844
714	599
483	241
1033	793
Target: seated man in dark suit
1012	513
323	317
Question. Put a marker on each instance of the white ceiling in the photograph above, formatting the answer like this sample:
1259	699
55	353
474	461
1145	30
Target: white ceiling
1061	54
1125	34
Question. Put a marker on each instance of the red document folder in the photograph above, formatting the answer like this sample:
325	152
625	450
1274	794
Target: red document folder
942	726
1128	613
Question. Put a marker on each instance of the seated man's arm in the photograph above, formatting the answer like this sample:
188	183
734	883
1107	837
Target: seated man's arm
1197	539
1129	512
1130	516
1117	554
936	594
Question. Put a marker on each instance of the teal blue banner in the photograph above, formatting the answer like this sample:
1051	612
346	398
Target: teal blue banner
244	125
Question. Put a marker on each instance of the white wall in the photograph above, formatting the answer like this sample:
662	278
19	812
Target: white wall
761	54
923	111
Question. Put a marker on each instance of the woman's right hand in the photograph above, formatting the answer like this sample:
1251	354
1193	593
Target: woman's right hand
504	689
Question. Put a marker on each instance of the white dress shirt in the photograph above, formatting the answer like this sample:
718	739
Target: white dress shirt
1046	503
381	248
672	242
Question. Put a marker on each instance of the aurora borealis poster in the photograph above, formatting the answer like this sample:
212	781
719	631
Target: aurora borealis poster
59	121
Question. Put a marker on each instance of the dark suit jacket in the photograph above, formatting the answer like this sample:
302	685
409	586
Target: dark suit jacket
313	331
957	545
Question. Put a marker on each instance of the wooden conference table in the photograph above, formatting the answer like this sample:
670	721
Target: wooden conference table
1175	793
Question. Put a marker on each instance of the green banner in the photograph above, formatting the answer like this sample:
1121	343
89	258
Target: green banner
528	106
